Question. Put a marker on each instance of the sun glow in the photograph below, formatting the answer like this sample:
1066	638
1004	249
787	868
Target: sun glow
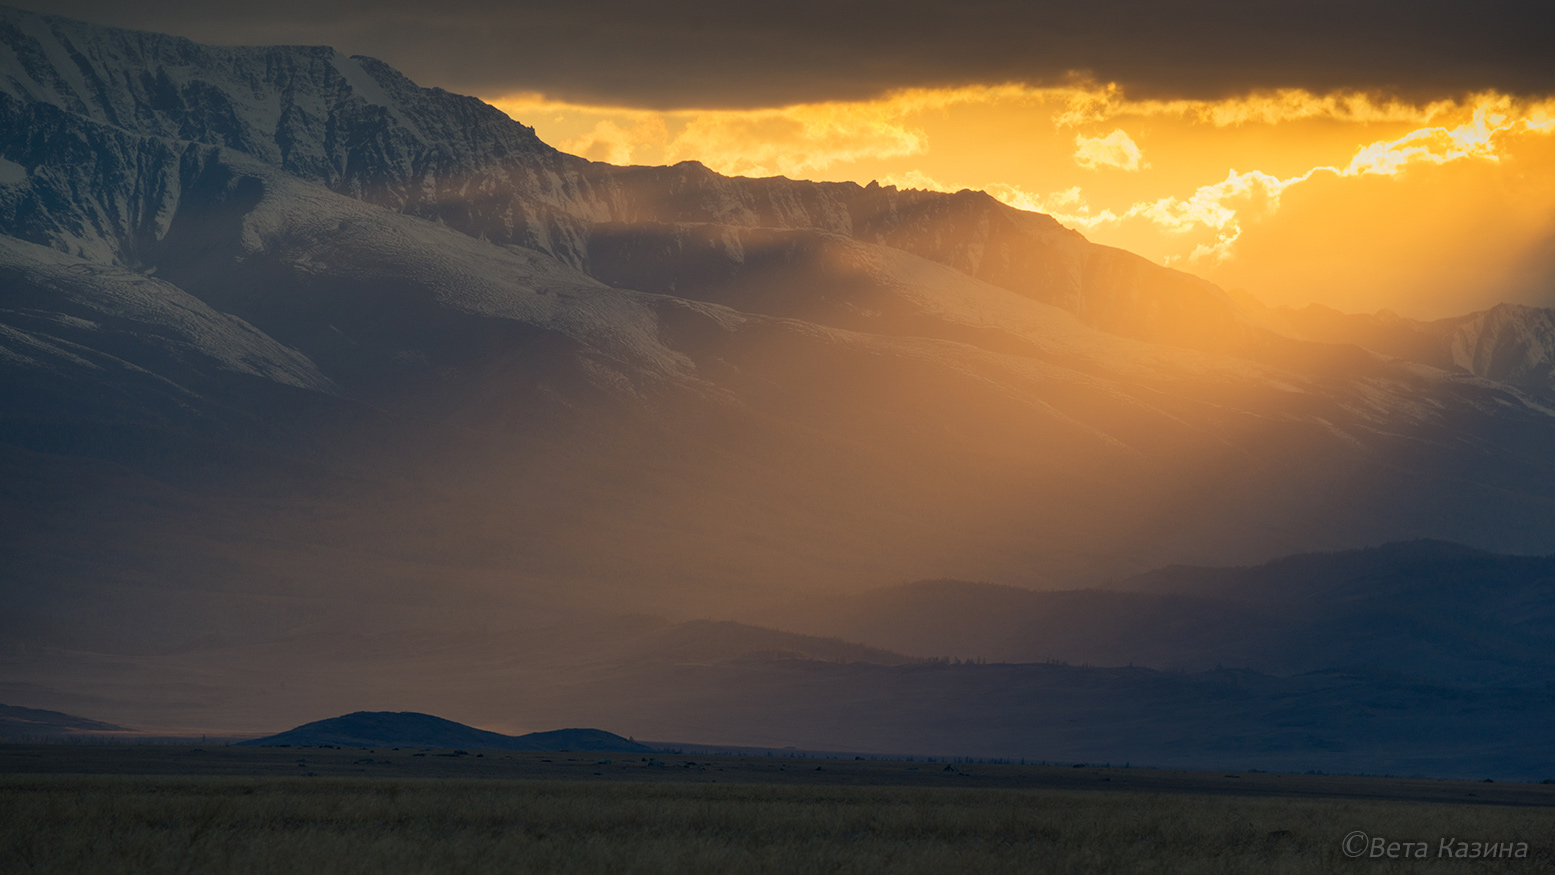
1273	192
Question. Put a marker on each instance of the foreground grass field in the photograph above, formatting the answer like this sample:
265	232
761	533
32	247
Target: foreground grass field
202	824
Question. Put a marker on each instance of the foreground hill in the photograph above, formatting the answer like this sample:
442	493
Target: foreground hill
409	729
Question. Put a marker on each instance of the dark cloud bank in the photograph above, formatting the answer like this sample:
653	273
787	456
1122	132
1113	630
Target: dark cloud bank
716	53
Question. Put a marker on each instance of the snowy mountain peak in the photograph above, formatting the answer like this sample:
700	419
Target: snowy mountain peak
307	109
107	124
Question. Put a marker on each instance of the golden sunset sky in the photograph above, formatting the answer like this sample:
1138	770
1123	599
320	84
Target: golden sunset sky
1353	200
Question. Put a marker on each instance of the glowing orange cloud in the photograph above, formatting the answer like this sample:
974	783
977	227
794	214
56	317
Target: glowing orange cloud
1215	206
793	141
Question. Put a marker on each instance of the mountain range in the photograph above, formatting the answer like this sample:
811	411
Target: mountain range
295	351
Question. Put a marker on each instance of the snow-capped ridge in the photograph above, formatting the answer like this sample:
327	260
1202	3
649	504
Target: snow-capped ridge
361	128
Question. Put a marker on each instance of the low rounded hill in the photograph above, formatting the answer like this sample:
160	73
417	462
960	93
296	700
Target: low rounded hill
410	729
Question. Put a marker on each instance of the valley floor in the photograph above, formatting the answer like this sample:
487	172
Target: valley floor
77	808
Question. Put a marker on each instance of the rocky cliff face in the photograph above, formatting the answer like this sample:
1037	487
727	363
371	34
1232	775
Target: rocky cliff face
108	125
1509	343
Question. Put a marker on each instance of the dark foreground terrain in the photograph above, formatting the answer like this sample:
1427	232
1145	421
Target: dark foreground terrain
67	808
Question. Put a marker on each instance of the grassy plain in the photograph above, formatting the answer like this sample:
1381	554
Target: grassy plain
717	815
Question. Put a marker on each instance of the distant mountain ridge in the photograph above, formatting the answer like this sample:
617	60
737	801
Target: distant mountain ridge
34	723
412	729
1426	609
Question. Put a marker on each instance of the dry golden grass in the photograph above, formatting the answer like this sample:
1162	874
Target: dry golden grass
119	824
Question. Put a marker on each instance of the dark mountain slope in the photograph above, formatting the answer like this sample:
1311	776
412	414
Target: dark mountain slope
91	341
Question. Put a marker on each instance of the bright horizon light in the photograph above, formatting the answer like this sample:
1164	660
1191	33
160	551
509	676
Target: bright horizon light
1356	201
